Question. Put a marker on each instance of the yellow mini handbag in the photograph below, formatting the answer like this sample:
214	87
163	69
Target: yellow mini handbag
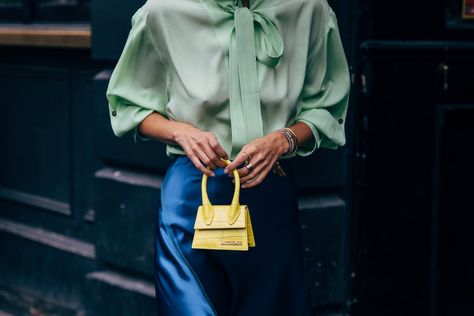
223	227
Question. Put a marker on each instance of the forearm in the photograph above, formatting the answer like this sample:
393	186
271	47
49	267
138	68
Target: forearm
160	128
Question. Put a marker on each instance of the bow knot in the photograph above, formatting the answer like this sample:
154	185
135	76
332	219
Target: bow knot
253	37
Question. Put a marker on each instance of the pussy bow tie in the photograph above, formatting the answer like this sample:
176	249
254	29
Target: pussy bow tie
253	37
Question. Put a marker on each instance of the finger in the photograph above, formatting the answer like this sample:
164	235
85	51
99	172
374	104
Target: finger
257	170
239	159
257	180
202	156
244	171
200	166
195	159
214	160
248	184
220	164
240	171
218	149
258	162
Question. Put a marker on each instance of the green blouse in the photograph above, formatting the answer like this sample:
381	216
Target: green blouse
237	72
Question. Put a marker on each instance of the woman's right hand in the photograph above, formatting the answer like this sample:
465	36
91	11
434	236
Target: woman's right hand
201	147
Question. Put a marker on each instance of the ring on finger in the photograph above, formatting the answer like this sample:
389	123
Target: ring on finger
249	166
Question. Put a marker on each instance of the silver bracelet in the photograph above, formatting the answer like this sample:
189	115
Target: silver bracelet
292	140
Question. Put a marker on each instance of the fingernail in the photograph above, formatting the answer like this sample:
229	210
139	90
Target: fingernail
213	174
226	171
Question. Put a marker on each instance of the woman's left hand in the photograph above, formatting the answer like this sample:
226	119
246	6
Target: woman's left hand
261	153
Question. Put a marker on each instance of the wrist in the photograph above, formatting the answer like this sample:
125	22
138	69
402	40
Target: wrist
181	130
292	141
280	142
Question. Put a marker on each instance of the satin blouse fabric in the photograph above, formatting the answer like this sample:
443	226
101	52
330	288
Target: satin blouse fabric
237	72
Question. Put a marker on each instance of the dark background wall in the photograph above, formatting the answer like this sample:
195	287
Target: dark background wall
416	72
384	225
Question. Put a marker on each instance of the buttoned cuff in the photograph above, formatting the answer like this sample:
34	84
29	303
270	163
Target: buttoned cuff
311	145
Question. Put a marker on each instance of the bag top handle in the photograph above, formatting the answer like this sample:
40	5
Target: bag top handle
207	209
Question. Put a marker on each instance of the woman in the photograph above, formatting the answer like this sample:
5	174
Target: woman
256	83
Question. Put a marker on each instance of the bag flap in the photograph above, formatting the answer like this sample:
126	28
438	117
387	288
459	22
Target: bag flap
220	220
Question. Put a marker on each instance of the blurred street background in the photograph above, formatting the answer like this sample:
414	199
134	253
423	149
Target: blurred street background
387	220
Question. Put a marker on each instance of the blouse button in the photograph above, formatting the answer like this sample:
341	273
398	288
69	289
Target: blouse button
341	121
114	113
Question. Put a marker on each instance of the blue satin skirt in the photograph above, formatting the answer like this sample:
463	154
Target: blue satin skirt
267	279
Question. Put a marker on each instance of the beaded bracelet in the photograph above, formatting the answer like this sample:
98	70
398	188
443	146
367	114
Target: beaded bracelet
292	140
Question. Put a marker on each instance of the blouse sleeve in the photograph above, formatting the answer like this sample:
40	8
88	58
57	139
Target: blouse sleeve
138	84
325	95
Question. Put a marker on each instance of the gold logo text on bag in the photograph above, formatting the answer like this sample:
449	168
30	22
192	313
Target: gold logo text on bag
223	227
